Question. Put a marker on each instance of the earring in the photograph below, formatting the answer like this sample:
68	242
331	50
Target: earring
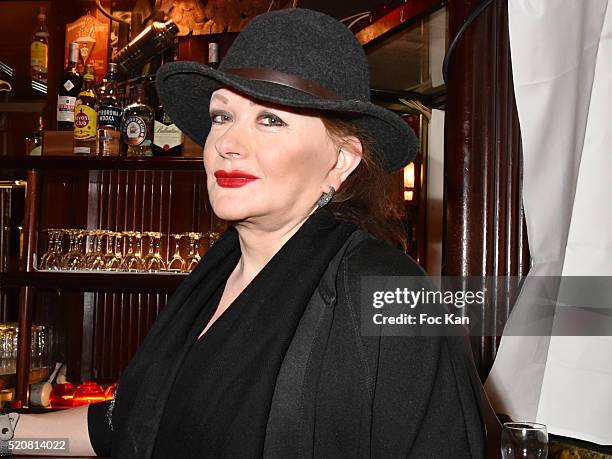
326	198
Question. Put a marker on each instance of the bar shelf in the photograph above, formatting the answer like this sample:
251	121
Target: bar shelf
8	380
94	282
99	163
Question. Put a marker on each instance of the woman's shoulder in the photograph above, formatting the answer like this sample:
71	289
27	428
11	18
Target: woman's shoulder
373	257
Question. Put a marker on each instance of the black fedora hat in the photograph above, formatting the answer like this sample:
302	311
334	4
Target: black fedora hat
296	58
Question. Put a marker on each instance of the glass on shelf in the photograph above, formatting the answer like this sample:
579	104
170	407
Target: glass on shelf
175	264
39	347
94	257
74	258
123	251
52	258
209	239
193	257
131	261
153	261
8	348
112	257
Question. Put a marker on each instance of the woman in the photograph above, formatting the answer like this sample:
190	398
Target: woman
259	352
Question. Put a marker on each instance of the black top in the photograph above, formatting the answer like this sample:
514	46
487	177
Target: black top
219	397
320	388
208	400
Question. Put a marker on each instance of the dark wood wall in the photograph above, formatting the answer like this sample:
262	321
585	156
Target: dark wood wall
100	332
484	227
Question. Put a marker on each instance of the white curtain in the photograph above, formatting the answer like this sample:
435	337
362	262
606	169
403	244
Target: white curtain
562	66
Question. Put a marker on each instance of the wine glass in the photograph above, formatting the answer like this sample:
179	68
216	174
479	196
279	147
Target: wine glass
73	259
154	261
112	258
96	261
131	261
52	259
50	249
193	258
524	440
175	264
94	257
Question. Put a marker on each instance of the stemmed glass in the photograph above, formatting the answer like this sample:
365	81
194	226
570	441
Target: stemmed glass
131	261
112	257
154	261
50	248
94	258
73	259
175	264
524	440
193	258
138	252
52	259
212	238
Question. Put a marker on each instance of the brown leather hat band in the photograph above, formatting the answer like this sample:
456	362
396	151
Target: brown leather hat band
292	81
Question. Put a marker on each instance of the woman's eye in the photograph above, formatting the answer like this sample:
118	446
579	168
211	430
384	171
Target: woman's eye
219	117
268	119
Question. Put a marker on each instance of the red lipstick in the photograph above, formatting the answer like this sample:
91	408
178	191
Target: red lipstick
233	178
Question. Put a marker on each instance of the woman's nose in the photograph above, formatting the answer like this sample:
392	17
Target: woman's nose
229	144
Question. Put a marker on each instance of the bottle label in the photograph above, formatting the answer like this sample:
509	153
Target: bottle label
109	116
68	85
36	151
85	125
82	150
65	108
167	137
38	55
134	130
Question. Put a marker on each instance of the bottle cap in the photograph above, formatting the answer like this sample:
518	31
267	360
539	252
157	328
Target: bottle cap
73	52
213	53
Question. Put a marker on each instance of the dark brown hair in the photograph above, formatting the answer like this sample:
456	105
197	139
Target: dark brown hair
364	197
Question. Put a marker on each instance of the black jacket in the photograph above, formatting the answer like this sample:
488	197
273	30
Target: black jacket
343	395
340	394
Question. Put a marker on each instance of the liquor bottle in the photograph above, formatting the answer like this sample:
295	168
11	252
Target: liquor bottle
109	114
34	144
137	125
213	55
69	89
85	117
39	53
167	137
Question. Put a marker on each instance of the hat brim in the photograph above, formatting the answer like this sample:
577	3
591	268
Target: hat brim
185	88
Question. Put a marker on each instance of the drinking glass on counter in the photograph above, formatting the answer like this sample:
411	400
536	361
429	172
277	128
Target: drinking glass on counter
524	440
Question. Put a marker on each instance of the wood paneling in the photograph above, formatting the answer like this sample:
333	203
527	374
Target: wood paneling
120	324
484	231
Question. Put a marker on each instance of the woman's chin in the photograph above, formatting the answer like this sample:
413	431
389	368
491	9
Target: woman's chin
231	213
